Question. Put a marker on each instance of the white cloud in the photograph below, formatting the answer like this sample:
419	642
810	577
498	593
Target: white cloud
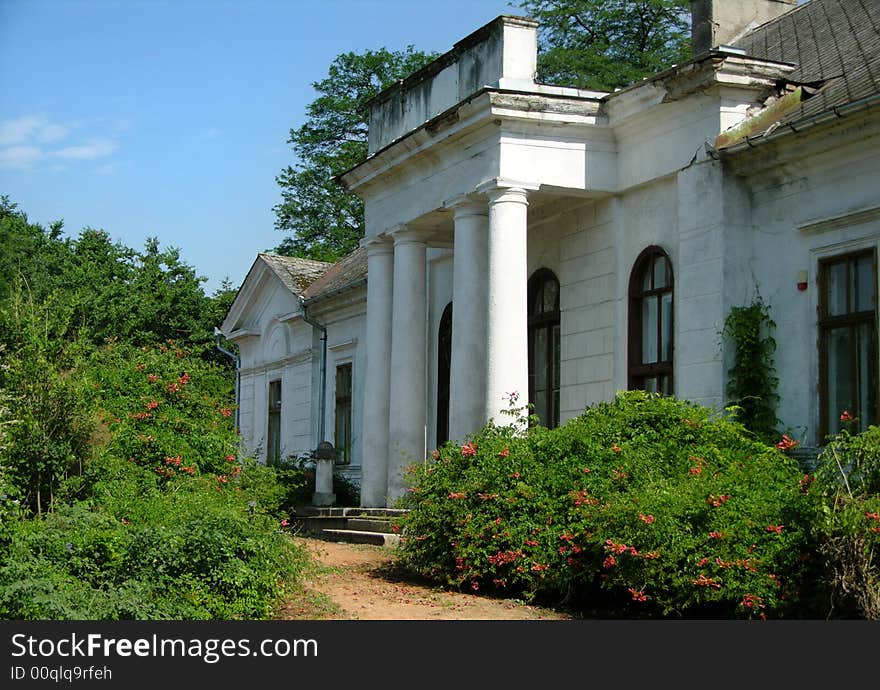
24	141
97	149
19	130
19	156
53	132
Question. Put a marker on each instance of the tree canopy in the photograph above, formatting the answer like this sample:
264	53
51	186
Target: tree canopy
608	44
96	289
322	221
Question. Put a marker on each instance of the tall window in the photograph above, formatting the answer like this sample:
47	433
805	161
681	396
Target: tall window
650	323
444	367
273	449
544	349
848	340
343	413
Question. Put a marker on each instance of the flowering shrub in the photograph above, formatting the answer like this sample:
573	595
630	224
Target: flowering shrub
163	520
644	506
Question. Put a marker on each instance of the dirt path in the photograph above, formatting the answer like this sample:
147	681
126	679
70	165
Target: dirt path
357	582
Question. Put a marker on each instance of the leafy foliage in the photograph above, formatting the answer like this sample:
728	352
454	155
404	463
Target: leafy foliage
752	381
97	289
323	221
608	44
149	515
645	506
848	477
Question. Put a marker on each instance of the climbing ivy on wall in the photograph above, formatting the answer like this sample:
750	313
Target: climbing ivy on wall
752	382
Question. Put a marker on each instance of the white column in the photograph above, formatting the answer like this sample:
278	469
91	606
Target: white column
380	269
507	353
467	396
406	441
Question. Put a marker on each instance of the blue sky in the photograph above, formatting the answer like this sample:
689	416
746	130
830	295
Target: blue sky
170	118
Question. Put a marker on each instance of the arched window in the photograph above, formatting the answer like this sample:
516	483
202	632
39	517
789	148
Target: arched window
543	295
650	322
444	367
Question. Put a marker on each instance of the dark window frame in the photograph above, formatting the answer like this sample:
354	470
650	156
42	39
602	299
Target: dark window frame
550	322
273	423
343	413
849	320
637	370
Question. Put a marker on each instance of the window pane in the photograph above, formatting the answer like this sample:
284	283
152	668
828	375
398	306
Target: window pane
866	375
666	321
836	296
538	304
863	283
659	272
651	385
649	330
540	359
840	395
556	357
646	278
541	406
551	296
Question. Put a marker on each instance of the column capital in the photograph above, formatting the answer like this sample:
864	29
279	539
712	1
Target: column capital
377	244
465	205
403	234
504	189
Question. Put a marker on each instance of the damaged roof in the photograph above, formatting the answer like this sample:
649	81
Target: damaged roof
835	45
349	271
297	274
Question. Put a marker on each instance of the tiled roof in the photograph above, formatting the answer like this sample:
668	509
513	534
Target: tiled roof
835	45
296	273
350	270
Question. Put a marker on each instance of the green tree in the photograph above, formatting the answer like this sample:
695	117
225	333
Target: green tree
323	222
607	44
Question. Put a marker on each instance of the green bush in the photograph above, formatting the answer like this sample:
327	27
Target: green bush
644	506
189	553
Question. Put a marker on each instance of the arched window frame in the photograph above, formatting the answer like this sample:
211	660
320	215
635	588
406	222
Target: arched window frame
544	322
444	370
642	286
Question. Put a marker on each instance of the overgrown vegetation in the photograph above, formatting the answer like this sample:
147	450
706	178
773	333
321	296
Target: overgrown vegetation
649	507
121	492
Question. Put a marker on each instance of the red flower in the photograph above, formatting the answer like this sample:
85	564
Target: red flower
504	453
173	388
609	562
845	416
616	448
530	542
153	404
230	458
806	483
222	478
468	449
873	516
715	535
456	495
284	522
775	528
515	475
696	470
647	519
184	379
638	595
226	412
152	378
787	443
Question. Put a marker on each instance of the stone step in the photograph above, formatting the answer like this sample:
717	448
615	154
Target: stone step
351	536
310	511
